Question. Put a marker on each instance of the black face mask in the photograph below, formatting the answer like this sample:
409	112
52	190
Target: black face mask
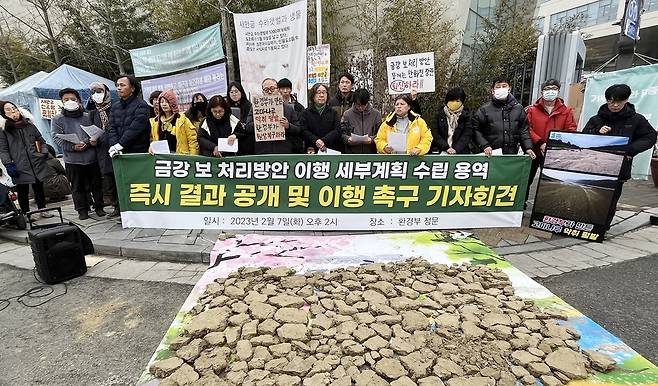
200	106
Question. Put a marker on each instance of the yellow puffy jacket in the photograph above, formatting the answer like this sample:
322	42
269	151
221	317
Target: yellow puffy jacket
419	135
185	132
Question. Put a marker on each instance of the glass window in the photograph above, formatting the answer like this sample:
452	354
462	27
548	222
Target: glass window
651	5
594	13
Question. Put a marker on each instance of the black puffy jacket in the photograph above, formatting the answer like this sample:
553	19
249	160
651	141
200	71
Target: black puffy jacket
626	123
129	125
502	125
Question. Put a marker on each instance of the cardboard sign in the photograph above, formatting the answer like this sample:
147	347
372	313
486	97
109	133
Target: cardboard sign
267	112
410	72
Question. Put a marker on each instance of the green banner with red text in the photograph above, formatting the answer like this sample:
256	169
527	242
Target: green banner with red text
316	193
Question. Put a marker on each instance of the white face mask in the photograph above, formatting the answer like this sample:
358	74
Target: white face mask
98	97
501	93
71	105
550	95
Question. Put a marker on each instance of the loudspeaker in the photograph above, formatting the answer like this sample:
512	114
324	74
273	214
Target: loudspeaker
58	252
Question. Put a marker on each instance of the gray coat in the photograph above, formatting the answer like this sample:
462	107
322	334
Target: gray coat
365	123
19	146
61	124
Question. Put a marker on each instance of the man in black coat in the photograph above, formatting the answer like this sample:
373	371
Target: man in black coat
618	117
502	123
129	119
289	121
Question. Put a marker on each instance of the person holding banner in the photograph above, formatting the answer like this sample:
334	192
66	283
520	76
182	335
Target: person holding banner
548	113
403	131
359	125
502	123
452	128
173	127
342	101
80	159
197	111
219	123
320	124
129	119
237	100
618	117
289	121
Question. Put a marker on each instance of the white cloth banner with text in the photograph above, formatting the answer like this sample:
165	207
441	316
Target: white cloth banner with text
270	45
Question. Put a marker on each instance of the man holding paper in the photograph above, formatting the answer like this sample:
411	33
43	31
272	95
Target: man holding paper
360	124
80	159
403	131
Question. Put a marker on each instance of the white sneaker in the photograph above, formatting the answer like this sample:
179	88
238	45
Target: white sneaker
46	215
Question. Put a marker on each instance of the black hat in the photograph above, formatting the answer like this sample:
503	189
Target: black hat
69	90
283	83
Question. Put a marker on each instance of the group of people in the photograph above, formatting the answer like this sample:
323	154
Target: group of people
345	122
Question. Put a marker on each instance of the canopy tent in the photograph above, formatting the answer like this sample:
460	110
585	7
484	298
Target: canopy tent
42	85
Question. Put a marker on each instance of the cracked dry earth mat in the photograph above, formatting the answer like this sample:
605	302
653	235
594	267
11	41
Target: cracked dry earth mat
422	308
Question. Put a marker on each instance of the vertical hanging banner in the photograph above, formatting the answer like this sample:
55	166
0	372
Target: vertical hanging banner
209	81
270	44
268	110
196	49
318	59
643	80
410	72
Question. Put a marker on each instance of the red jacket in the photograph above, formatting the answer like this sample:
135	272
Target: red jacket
540	122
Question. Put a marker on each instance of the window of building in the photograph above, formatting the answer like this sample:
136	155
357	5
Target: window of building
595	13
539	24
651	5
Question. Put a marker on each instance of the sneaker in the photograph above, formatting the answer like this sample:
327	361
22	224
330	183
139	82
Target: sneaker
115	213
83	215
46	215
100	212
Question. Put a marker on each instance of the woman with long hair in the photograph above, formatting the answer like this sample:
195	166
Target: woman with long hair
197	111
238	98
219	123
405	122
172	126
24	153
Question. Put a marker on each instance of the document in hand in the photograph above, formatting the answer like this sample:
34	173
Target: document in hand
495	152
398	141
329	152
94	132
359	138
73	138
160	147
222	145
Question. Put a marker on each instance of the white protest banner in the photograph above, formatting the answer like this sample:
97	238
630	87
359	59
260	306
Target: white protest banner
410	72
50	107
318	59
268	110
270	44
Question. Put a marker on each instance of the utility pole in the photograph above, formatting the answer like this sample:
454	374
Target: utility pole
228	34
630	33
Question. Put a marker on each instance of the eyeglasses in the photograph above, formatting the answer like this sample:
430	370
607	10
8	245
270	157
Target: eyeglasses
270	89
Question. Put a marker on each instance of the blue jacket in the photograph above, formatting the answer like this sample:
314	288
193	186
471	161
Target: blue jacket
129	125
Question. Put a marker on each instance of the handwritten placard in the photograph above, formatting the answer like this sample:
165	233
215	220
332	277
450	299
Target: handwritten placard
410	72
268	110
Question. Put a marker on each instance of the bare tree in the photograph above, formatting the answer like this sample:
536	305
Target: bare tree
42	9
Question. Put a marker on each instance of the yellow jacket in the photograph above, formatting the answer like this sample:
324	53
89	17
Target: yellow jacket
419	135
185	132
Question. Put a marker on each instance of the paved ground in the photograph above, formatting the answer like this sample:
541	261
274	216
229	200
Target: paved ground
621	298
102	332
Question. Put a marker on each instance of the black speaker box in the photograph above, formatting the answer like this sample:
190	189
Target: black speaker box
58	251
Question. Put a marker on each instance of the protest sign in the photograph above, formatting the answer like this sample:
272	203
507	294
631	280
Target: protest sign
267	112
209	81
196	49
410	72
270	44
578	181
50	107
339	192
318	59
643	80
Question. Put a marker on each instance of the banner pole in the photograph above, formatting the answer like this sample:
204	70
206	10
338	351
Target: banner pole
318	18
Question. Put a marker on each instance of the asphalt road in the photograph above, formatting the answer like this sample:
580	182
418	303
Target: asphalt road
102	332
621	298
